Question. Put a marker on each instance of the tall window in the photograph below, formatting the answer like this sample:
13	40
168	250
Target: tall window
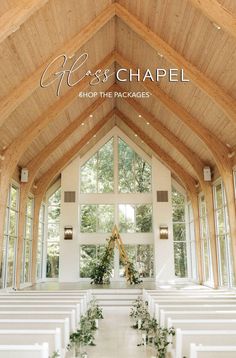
205	242
41	242
179	234
53	239
27	246
115	188
224	244
192	244
10	237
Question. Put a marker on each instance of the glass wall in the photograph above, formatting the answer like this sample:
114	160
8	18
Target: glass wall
224	244
205	241
53	238
10	237
27	244
179	233
115	189
41	242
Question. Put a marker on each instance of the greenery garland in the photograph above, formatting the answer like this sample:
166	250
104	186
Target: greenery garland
101	270
84	335
155	335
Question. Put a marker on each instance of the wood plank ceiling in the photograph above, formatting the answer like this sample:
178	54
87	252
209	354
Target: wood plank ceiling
32	32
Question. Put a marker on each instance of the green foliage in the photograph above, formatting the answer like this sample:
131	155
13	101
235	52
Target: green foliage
55	355
94	311
132	274
101	269
155	334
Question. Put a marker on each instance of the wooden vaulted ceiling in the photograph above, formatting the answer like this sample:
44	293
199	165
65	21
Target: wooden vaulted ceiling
175	121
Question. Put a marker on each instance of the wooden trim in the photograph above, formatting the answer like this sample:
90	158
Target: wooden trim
11	101
11	20
195	206
218	14
212	89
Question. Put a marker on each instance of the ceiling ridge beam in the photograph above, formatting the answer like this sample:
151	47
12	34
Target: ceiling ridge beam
212	89
18	95
217	14
195	162
16	149
12	19
185	177
45	180
218	149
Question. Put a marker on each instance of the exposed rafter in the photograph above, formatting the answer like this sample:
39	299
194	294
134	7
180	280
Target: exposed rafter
16	149
213	90
11	101
219	151
218	14
11	20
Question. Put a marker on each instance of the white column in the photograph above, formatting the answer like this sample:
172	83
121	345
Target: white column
69	249
162	215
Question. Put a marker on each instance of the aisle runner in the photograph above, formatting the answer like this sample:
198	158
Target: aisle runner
115	337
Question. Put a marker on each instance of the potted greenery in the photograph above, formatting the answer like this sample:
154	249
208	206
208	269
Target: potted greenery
139	312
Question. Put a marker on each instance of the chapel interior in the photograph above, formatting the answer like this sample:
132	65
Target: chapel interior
120	115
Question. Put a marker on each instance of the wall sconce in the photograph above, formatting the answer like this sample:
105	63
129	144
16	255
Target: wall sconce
163	232
68	233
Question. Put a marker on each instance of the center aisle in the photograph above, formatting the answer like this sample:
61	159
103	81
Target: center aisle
115	337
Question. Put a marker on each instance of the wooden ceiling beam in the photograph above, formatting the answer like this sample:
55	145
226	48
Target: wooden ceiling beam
12	19
16	149
218	14
218	149
11	101
213	90
166	159
44	181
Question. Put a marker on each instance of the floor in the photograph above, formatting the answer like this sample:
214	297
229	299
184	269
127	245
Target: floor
85	285
116	339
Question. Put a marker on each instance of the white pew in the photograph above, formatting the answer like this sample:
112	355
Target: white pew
164	315
36	307
194	324
24	336
44	302
200	351
186	302
45	299
24	351
41	324
184	338
41	315
192	307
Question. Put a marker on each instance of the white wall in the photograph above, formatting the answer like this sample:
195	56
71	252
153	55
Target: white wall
162	215
69	249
